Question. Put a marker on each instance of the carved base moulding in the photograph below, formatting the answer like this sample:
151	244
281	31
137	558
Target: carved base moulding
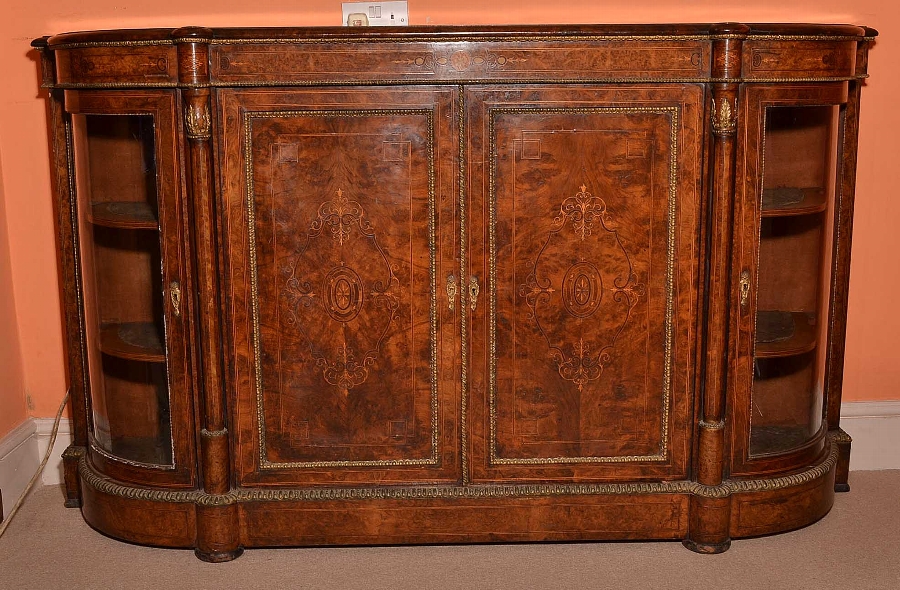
446	284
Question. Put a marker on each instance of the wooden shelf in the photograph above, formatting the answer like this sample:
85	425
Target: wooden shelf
784	333
787	201
138	341
124	215
769	440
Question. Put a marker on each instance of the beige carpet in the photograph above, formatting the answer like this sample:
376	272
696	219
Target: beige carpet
856	547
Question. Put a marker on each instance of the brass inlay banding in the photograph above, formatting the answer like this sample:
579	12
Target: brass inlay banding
717	425
248	117
431	81
662	455
450	38
105	485
213	433
463	270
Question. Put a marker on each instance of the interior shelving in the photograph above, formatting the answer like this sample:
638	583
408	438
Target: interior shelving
122	265
795	200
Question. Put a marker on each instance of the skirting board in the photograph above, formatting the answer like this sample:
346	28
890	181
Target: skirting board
21	452
875	430
874	426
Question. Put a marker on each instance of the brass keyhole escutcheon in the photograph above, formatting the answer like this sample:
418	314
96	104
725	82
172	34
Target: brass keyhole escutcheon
451	291
745	288
473	291
175	296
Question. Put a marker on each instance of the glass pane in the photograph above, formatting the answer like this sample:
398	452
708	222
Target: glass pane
794	276
122	282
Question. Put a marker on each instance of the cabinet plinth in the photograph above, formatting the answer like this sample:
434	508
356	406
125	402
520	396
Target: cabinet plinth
461	282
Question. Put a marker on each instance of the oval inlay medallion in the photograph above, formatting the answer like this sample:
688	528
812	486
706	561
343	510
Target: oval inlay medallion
343	294
582	289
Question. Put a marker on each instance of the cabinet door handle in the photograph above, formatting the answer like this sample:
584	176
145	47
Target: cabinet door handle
175	296
745	288
473	291
451	291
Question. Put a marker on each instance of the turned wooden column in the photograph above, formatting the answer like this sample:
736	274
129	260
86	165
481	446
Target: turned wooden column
61	179
217	519
710	510
843	226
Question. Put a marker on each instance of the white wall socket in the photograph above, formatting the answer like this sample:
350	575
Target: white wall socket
377	14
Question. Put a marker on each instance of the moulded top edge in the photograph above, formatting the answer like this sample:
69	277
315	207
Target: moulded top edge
440	33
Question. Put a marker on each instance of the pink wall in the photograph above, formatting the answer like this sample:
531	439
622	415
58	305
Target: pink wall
12	380
873	361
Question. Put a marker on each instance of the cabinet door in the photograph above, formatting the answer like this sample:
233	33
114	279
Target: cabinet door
135	308
339	225
584	243
784	223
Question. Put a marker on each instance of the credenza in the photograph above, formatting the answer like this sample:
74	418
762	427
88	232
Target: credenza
329	286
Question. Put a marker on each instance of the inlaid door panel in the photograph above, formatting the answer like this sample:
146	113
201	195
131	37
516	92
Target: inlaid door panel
341	212
584	240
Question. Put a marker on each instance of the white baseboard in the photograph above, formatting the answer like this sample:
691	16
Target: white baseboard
18	462
874	427
53	472
875	430
21	452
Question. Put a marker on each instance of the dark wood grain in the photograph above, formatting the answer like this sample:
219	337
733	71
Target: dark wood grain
454	284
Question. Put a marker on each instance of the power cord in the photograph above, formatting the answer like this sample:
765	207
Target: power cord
40	468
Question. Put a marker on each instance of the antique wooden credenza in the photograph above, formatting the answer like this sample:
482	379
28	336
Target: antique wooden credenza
439	285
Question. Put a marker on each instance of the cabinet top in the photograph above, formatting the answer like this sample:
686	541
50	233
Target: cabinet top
793	31
192	57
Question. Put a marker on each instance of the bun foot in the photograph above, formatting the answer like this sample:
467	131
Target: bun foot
218	556
707	548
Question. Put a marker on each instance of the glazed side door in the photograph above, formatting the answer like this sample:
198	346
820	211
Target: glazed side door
340	215
786	214
134	283
583	243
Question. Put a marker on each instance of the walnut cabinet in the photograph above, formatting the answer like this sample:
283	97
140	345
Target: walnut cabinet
439	285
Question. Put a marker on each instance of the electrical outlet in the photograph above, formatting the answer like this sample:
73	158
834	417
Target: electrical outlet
377	14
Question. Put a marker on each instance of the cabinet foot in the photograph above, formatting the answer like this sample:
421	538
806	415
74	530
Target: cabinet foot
842	473
707	548
218	556
73	502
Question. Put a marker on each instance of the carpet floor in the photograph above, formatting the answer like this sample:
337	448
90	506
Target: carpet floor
855	547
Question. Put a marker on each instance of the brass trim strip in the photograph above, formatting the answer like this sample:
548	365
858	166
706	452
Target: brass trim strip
662	455
418	38
433	81
463	270
213	433
717	425
250	209
106	485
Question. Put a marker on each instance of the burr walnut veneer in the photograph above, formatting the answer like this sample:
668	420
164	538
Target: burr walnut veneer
438	285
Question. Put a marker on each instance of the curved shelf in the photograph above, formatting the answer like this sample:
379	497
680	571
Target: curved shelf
784	333
137	341
777	440
124	215
788	201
